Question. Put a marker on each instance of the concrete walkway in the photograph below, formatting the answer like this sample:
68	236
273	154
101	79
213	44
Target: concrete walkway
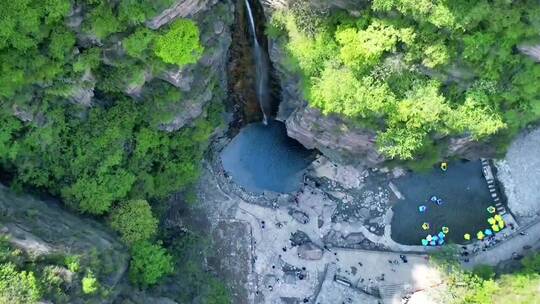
510	247
363	269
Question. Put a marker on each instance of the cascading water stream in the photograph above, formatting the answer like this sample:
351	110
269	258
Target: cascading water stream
261	157
261	69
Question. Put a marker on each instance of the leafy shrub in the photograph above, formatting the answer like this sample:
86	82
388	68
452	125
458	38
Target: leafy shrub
134	220
149	263
103	21
90	285
137	44
6	252
361	49
73	263
309	18
531	263
218	293
485	272
483	286
180	45
18	287
53	282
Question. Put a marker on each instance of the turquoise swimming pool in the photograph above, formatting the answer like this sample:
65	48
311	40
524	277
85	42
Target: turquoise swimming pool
465	197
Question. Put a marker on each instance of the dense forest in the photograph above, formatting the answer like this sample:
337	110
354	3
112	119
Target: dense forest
415	71
484	285
106	155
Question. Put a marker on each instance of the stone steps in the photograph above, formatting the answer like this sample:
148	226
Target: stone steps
486	167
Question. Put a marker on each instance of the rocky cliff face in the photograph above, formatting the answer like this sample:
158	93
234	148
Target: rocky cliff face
331	135
205	81
44	231
200	83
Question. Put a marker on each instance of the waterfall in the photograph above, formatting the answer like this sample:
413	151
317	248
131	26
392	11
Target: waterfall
261	69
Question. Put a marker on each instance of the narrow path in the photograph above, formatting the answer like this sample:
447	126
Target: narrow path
508	248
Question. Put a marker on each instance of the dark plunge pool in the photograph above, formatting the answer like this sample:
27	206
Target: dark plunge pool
262	157
464	192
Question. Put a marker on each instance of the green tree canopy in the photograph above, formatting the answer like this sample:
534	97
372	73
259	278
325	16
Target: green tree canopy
137	44
134	220
18	287
361	49
339	91
181	44
149	263
24	23
370	69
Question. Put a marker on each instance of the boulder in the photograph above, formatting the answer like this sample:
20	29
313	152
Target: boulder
354	238
310	251
181	9
299	238
299	216
22	114
532	51
82	96
180	78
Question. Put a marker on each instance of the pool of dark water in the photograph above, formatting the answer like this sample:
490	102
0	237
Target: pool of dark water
465	196
262	157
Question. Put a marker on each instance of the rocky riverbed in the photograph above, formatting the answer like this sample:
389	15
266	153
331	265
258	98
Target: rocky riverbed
329	239
280	248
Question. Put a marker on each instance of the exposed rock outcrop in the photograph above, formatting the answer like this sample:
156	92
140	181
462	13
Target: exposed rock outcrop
200	83
44	230
468	148
532	51
23	114
205	81
182	8
310	251
519	172
83	93
192	108
139	297
179	78
299	216
333	137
